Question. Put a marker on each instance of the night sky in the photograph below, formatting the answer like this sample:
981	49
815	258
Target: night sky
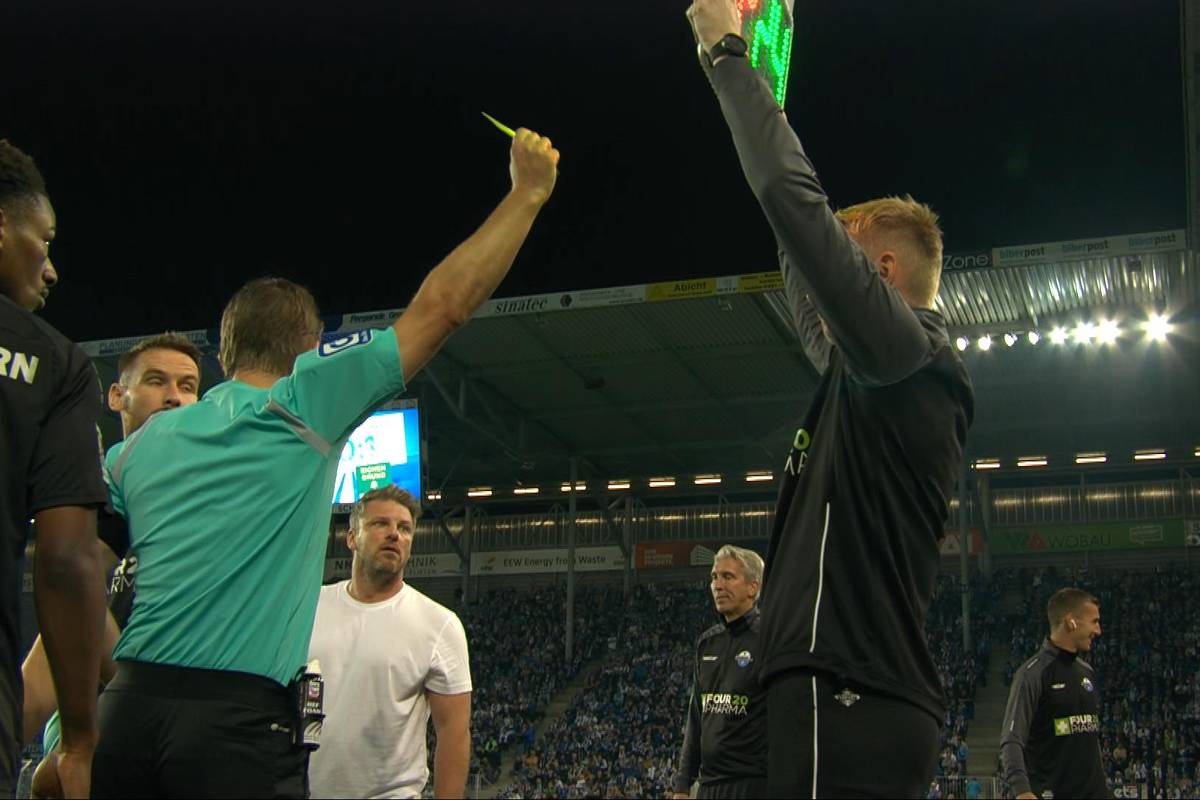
190	145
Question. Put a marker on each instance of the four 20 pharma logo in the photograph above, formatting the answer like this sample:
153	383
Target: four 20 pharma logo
733	705
1078	723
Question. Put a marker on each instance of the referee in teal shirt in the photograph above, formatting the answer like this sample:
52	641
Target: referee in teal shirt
227	503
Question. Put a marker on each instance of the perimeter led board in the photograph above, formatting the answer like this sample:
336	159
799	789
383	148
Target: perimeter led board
767	26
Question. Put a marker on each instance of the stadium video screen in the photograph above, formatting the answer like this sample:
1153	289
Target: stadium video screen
385	449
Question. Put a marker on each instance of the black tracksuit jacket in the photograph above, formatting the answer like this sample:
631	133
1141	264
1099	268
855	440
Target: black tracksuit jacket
854	553
1050	739
726	734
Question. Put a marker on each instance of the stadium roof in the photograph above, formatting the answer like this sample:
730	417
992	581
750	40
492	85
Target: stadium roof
706	376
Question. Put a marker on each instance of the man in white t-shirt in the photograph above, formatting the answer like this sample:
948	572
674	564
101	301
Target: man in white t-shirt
391	657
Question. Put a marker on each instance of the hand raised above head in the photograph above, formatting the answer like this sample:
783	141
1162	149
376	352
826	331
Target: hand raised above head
533	164
712	19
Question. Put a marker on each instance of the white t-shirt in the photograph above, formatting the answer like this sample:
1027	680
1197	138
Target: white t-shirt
378	660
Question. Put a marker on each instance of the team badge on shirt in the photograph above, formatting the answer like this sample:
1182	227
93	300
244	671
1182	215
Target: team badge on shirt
1087	684
743	658
341	343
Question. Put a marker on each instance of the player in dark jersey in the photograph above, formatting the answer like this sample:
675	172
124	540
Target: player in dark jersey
855	698
157	374
50	470
725	739
1050	739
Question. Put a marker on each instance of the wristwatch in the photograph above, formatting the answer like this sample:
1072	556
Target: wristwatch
728	45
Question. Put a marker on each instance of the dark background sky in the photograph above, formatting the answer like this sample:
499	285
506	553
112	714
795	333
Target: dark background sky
192	145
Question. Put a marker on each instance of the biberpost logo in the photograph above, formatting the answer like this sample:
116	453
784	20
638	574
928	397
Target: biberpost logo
336	346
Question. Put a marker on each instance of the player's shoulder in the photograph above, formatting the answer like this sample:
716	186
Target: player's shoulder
429	609
330	591
710	634
342	345
22	324
945	359
27	337
1038	664
114	452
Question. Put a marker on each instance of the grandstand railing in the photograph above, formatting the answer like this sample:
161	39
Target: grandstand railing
1146	500
1099	503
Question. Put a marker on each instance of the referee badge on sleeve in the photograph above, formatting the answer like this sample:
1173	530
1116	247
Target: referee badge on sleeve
335	346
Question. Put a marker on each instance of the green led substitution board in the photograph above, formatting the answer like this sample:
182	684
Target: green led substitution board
767	26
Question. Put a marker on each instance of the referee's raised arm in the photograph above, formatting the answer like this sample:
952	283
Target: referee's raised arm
460	284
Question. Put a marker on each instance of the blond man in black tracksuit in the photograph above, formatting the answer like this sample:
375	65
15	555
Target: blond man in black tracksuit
856	700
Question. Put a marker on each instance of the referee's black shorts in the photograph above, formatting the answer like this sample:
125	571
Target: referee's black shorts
733	789
862	745
180	732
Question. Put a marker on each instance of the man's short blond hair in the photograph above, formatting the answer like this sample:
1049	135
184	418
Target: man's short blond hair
901	223
386	492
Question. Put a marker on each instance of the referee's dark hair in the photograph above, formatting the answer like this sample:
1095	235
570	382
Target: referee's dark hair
1067	601
266	324
21	184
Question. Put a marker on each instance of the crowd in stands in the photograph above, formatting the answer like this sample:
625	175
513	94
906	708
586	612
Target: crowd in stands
963	672
621	734
517	660
1148	671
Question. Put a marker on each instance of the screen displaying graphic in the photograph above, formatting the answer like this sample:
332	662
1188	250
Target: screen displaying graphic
767	27
385	449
